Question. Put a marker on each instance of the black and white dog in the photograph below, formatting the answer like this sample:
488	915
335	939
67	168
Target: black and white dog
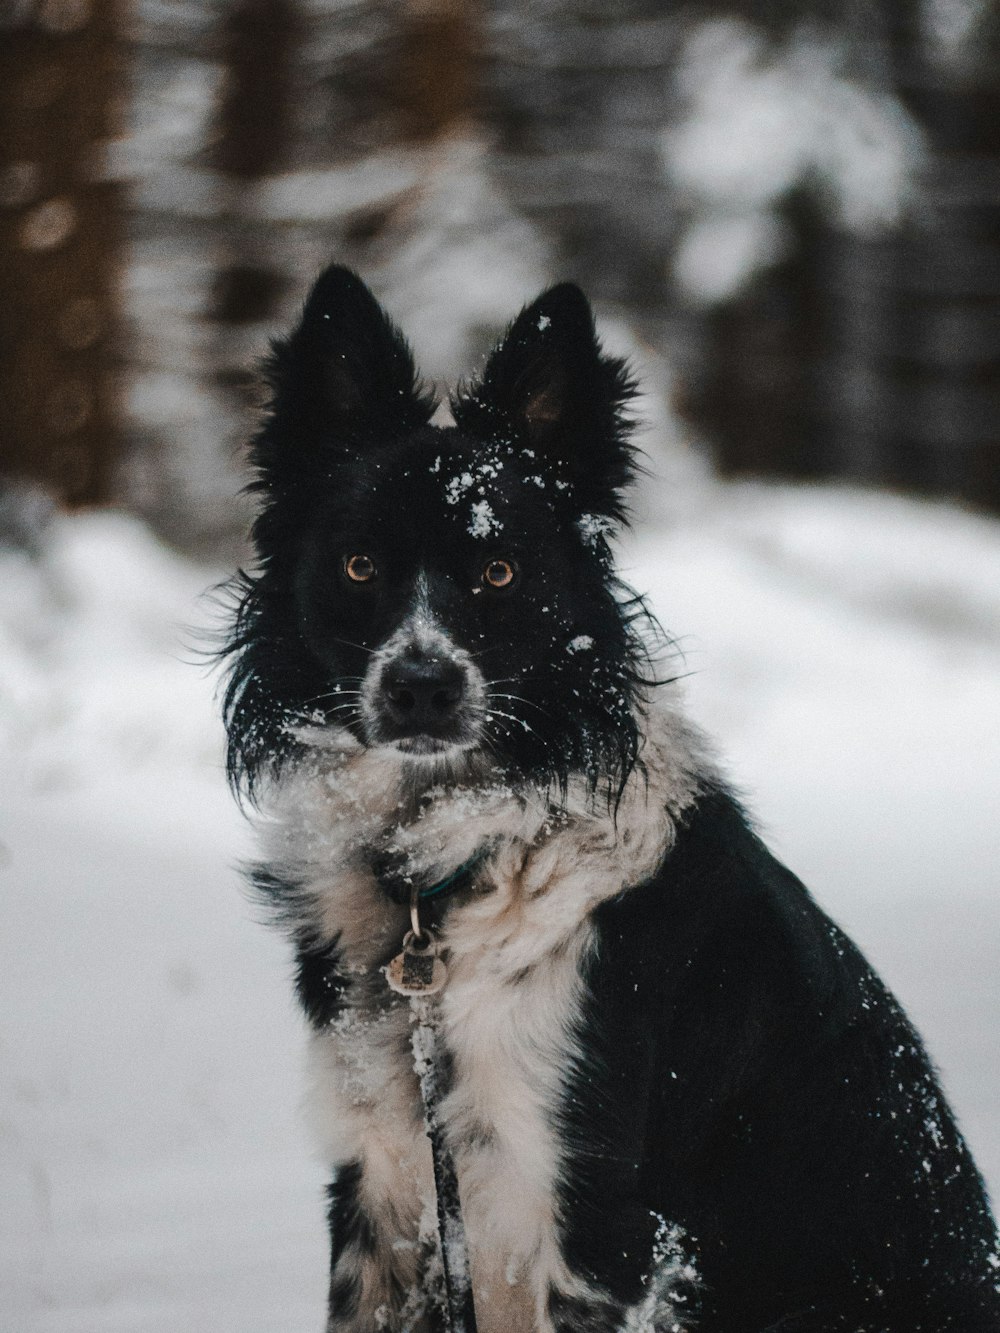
677	1098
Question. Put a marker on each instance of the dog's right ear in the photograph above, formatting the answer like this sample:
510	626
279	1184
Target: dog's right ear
345	376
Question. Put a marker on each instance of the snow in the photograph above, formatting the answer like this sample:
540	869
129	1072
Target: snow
456	487
154	1171
484	523
951	26
593	527
670	1281
844	650
760	120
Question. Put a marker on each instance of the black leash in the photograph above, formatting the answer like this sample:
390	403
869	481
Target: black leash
419	973
451	1228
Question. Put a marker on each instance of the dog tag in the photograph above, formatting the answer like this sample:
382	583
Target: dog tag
417	970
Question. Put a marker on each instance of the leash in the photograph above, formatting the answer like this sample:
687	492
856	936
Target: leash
451	1228
419	972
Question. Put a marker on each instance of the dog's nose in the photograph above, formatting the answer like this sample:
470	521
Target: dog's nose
423	692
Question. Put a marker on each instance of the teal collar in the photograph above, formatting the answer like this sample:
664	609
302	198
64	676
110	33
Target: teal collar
400	888
458	879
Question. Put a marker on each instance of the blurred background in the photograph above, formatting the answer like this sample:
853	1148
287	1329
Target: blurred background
787	216
794	206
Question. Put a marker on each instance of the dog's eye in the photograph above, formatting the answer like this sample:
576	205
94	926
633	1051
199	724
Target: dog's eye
499	574
359	568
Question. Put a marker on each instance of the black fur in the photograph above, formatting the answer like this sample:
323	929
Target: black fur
349	1227
319	981
747	1093
748	1075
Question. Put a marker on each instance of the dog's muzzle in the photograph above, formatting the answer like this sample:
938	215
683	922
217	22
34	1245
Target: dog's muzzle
423	699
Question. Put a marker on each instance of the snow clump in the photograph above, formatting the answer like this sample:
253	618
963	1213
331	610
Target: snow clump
484	522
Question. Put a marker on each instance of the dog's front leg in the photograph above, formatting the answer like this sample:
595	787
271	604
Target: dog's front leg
381	1268
360	1278
382	1192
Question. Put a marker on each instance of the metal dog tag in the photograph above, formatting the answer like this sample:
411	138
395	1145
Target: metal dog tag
417	970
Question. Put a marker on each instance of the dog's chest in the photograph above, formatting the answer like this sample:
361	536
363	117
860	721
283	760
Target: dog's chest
506	1025
509	1016
508	1030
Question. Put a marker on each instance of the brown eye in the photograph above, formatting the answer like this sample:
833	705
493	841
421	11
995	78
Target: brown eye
499	574
359	568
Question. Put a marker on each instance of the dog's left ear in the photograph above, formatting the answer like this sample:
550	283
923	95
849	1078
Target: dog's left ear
548	388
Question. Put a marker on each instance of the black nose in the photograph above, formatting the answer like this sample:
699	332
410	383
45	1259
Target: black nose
422	694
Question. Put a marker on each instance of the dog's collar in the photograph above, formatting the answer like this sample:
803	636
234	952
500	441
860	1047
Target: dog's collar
401	889
458	879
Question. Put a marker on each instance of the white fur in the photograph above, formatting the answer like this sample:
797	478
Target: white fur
514	951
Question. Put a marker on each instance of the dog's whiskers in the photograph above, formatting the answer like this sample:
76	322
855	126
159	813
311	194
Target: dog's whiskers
519	699
334	694
349	643
492	713
498	712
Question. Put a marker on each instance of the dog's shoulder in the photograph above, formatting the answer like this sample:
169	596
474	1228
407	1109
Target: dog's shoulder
718	895
722	951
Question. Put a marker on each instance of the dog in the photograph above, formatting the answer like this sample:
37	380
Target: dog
675	1095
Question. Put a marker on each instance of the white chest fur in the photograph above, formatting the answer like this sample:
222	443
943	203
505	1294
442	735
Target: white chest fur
509	1020
509	1013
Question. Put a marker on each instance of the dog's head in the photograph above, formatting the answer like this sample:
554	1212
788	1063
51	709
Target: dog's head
444	593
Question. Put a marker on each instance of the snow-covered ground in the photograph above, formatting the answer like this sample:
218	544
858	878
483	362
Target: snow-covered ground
845	651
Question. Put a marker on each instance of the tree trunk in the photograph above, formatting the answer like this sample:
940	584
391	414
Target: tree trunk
61	90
